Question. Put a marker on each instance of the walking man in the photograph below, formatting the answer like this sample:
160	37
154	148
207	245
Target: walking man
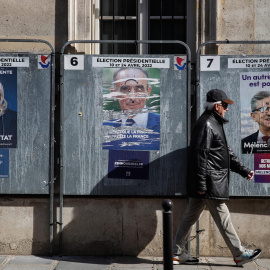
210	162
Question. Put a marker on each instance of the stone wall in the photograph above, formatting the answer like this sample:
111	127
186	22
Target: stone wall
114	226
46	20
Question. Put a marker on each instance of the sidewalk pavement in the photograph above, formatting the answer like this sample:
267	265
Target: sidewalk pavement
119	263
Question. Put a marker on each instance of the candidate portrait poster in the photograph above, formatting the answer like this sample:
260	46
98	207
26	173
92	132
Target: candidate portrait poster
8	107
131	108
255	114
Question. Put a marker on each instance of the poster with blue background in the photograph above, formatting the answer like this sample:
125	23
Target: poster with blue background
131	108
128	164
4	163
8	107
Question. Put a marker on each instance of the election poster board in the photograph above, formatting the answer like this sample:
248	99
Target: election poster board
124	124
8	107
25	96
246	81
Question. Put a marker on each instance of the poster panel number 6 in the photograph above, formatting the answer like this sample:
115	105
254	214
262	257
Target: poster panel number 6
74	62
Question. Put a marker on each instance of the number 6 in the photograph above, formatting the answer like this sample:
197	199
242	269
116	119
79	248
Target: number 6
74	61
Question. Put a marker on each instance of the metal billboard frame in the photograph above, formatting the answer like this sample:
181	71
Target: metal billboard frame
52	108
198	93
136	42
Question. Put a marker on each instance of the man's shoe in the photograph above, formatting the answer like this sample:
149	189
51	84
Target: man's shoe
184	258
247	256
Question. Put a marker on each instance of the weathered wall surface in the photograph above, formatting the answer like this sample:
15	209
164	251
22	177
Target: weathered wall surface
24	224
38	19
250	218
130	226
134	226
243	20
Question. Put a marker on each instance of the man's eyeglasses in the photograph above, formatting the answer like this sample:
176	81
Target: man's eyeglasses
224	105
262	109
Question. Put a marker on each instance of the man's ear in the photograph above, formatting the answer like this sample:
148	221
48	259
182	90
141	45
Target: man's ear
149	90
252	114
216	107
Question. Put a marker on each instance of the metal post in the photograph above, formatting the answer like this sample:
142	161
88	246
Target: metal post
197	238
167	235
61	184
52	151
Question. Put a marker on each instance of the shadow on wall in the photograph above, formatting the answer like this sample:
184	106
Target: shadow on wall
121	225
109	226
167	176
114	226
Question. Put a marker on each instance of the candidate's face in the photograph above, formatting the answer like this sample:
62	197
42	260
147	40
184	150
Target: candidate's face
132	89
262	116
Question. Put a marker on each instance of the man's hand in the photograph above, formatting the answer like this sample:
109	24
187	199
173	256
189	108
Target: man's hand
201	192
250	175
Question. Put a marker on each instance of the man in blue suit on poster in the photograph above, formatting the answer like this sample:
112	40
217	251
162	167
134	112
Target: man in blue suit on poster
139	128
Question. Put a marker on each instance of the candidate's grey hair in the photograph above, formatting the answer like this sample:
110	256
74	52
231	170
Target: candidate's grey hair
3	102
210	105
257	97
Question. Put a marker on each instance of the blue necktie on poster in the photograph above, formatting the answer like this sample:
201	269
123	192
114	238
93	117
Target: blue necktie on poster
130	122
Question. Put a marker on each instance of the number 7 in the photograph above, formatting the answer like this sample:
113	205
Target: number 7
210	62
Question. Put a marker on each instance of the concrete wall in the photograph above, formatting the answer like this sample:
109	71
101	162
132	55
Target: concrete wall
134	226
249	217
37	19
243	20
128	226
24	224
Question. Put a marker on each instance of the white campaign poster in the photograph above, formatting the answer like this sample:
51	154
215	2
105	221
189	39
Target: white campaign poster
255	114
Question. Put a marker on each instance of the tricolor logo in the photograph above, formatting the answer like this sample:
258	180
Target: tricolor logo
44	61
180	62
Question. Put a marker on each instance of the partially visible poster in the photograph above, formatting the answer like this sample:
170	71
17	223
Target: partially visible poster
129	164
4	163
8	107
131	108
255	112
262	168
